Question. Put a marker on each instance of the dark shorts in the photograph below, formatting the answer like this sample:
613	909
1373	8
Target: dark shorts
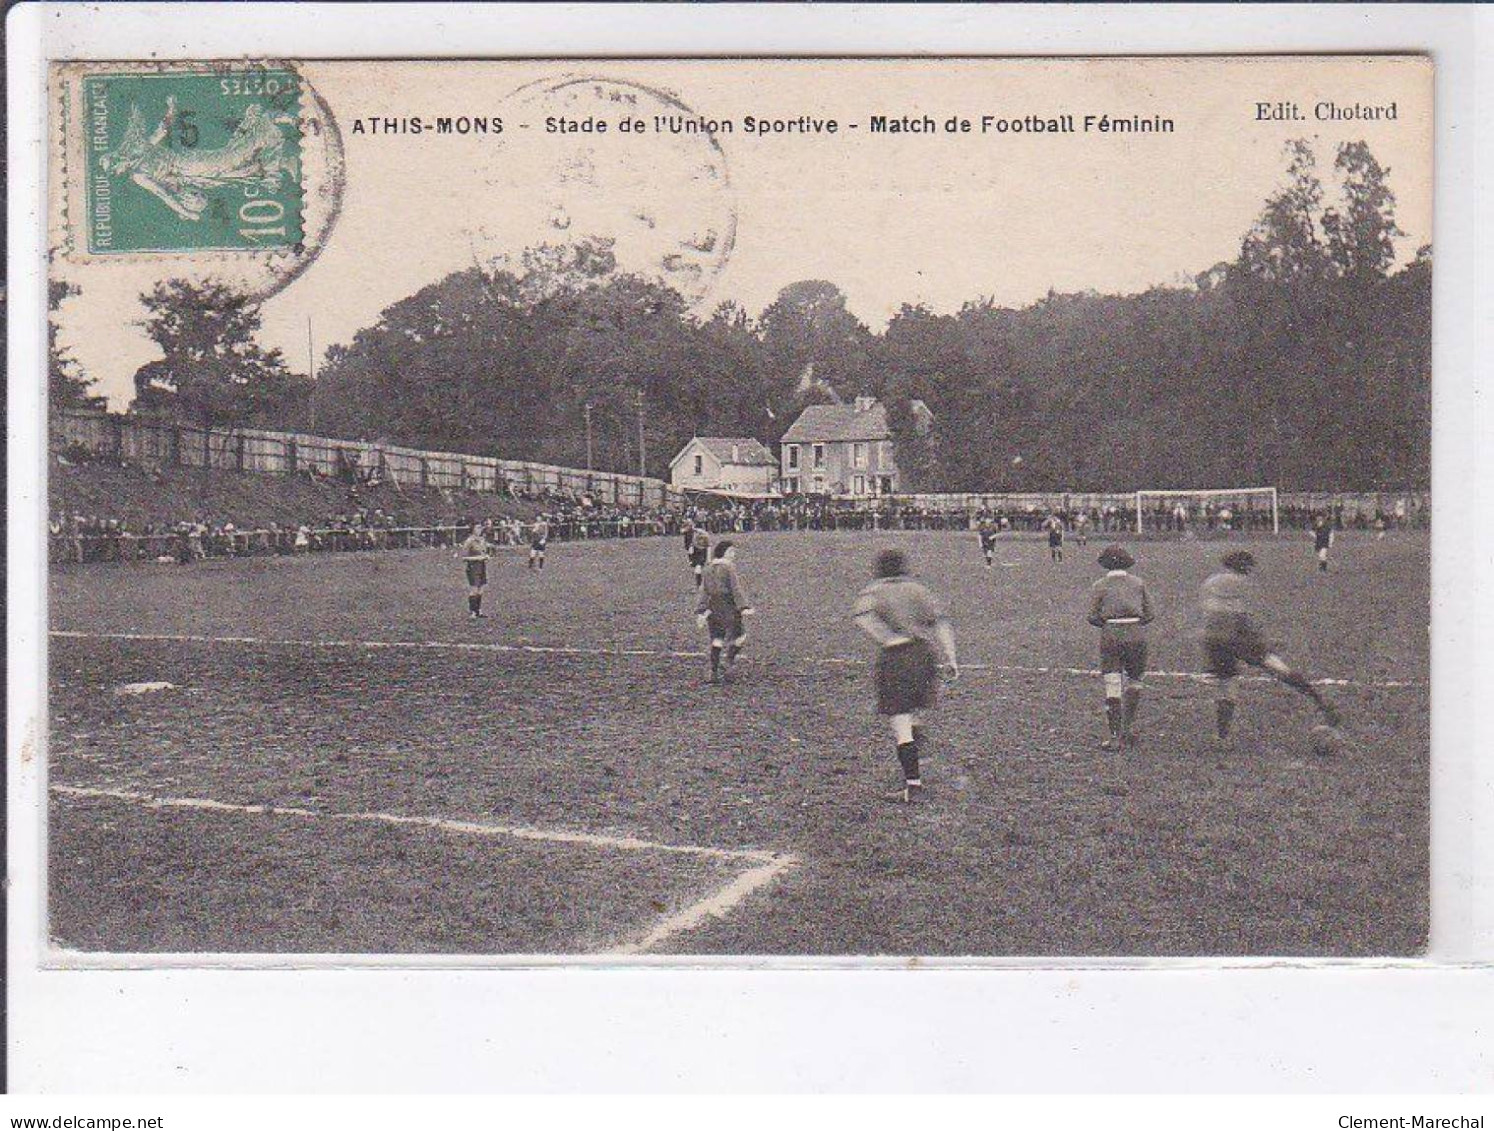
1121	652
477	573
725	623
1055	538
988	542
698	557
907	677
538	546
1224	654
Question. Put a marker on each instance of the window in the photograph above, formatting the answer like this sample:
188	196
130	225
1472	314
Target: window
819	484
793	457
791	485
699	464
886	484
858	456
819	455
858	485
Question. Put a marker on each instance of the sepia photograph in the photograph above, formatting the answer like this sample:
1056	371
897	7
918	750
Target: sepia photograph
603	510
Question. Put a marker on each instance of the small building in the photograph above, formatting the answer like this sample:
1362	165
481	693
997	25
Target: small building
843	449
730	465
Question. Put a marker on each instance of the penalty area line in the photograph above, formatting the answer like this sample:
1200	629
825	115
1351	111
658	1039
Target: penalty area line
658	654
716	903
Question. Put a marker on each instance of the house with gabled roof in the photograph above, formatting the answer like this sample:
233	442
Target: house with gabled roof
843	449
727	465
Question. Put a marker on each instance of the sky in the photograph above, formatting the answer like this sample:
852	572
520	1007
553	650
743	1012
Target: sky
937	218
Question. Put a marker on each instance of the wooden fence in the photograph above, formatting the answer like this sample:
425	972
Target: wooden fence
149	441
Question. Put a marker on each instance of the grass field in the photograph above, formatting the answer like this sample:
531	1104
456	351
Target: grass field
345	763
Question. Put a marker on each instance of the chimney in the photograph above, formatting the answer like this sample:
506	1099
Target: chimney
864	404
736	454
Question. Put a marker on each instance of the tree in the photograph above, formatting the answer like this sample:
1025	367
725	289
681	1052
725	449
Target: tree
67	385
211	373
1361	240
808	331
1283	246
1301	363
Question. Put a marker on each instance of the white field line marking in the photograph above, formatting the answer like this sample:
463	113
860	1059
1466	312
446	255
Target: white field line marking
767	865
657	654
716	905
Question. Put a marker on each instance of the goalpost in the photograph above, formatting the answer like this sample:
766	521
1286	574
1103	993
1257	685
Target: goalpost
1234	508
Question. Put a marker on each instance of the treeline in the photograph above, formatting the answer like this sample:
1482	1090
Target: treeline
1304	362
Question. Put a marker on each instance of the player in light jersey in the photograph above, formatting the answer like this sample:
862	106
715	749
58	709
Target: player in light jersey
1232	634
987	534
474	552
1081	528
1121	609
909	625
721	607
700	549
1322	540
539	541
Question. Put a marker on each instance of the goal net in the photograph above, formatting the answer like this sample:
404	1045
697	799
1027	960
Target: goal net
1202	512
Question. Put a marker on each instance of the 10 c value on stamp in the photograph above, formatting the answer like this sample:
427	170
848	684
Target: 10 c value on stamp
187	161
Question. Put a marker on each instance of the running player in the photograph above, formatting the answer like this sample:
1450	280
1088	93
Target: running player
987	532
907	623
539	540
1232	634
1322	540
721	607
700	549
1054	527
1120	608
474	553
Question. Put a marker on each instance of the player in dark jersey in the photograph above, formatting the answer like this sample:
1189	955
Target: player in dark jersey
1054	527
987	534
1322	540
474	553
1121	609
1232	635
700	549
911	631
722	606
539	541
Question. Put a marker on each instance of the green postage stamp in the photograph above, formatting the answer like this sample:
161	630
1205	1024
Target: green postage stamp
193	160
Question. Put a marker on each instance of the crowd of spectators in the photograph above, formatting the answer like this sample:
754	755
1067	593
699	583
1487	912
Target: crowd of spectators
90	538
85	538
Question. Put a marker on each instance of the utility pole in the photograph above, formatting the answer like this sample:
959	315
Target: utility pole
642	449
311	371
587	410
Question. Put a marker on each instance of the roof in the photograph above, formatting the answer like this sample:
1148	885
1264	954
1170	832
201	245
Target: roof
749	452
828	423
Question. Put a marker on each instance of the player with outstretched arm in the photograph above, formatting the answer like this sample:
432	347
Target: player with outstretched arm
911	631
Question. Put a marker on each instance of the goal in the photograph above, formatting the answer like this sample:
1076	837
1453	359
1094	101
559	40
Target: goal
1236	508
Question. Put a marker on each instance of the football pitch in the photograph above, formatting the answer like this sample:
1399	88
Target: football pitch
323	754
